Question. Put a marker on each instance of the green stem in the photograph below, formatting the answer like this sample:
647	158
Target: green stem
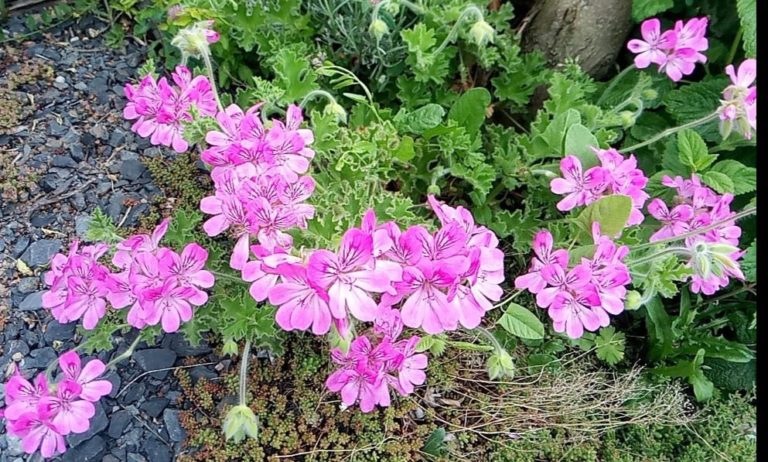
671	131
468	11
244	371
735	46
126	354
209	70
661	253
489	336
744	213
542	172
470	346
228	276
613	83
314	93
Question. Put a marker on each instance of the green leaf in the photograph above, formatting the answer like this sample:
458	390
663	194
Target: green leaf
182	227
420	120
435	444
405	150
718	181
721	348
749	262
579	142
693	151
295	74
748	14
612	212
610	345
659	327
643	9
695	101
520	322
101	228
733	169
469	109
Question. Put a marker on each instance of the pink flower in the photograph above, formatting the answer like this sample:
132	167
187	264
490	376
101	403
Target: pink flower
36	430
427	305
22	397
542	248
70	414
410	370
360	384
572	313
738	107
172	304
187	268
654	46
561	280
263	272
301	303
579	187
91	388
349	276
674	221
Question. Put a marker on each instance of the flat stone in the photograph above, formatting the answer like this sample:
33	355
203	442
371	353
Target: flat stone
40	220
132	169
99	423
202	372
20	246
57	331
40	252
82	223
182	347
63	161
113	378
154	406
155	358
40	358
133	393
156	451
32	302
119	423
92	450
27	285
173	425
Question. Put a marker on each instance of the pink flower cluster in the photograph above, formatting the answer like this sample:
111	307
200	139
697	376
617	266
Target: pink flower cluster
584	295
697	206
160	108
159	285
675	51
615	175
42	416
377	361
258	177
440	279
739	104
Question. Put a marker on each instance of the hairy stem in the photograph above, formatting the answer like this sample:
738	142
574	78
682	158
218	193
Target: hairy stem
209	71
620	76
126	354
661	253
671	131
244	371
469	11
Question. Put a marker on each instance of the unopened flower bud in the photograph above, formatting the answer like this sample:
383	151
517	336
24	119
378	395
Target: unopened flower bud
229	347
239	423
195	39
337	111
378	29
633	300
482	33
433	189
500	365
627	118
650	93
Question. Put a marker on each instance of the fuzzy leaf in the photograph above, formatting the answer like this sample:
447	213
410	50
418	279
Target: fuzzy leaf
610	345
521	322
419	120
579	142
642	9
612	212
733	169
748	14
693	151
697	100
718	181
659	327
469	109
749	262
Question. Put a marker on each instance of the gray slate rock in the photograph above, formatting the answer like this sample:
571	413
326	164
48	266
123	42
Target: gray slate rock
40	358
58	331
32	302
155	358
132	169
156	451
40	252
92	450
119	423
154	406
173	425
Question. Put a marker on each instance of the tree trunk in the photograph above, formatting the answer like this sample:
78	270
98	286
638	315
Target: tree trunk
592	31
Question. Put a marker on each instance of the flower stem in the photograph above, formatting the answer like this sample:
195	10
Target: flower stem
735	46
315	93
228	276
468	11
620	76
126	354
659	254
209	70
489	336
744	213
244	371
671	131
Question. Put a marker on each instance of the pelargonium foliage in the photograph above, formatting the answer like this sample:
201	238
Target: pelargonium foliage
42	413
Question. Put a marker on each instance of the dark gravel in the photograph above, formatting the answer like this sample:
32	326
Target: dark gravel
68	151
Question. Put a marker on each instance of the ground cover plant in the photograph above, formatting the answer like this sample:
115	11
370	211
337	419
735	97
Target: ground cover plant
447	246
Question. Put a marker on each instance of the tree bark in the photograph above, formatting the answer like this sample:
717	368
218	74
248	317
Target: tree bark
591	31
